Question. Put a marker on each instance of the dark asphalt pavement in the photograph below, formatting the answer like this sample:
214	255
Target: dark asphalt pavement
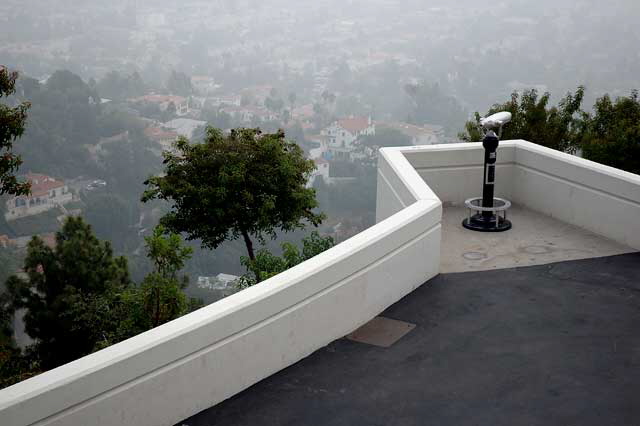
545	345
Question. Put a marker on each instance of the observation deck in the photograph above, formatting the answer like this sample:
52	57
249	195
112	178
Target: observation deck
537	325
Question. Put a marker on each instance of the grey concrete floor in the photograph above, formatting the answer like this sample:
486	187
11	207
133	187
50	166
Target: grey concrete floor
535	239
556	344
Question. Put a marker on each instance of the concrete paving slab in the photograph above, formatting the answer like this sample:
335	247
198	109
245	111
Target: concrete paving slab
381	331
535	239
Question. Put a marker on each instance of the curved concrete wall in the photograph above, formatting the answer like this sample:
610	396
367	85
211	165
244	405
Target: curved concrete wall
167	374
174	371
601	199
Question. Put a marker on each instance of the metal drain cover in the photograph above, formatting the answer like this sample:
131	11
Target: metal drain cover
381	331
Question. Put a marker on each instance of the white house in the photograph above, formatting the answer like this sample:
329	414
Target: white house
163	101
184	126
425	135
46	193
322	170
344	133
219	282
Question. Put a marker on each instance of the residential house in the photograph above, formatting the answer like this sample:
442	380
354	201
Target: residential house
219	282
163	102
321	170
184	126
226	100
344	133
250	114
420	135
46	193
204	84
165	138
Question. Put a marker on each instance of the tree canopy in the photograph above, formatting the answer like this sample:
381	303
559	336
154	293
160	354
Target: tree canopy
245	184
267	265
179	83
68	292
555	127
12	123
611	134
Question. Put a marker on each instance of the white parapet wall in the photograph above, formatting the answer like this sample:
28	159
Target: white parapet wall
601	199
176	370
167	374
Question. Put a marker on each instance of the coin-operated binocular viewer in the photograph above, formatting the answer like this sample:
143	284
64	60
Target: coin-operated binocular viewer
490	212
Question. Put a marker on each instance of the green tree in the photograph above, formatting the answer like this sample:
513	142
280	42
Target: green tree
274	104
12	124
70	293
431	105
245	184
14	365
179	83
117	87
555	127
164	299
63	121
611	135
111	217
266	264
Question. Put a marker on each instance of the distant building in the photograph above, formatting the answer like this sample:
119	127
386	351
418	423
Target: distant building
46	193
184	126
204	84
163	102
322	170
163	137
420	135
219	282
303	112
227	100
344	133
250	114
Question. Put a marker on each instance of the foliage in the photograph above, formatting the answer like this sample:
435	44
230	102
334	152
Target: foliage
10	262
126	163
555	127
12	124
120	87
161	293
611	135
63	120
69	293
112	122
385	137
78	298
42	223
245	184
274	104
111	216
179	83
370	144
266	264
430	104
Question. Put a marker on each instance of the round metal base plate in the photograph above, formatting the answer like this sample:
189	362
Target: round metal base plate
480	223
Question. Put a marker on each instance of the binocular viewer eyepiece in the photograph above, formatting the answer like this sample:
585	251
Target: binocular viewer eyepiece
495	121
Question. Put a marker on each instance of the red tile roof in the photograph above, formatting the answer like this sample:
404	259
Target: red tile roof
355	124
159	134
42	184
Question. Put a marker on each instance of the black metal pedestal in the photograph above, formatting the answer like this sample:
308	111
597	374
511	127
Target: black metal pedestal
487	219
479	222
